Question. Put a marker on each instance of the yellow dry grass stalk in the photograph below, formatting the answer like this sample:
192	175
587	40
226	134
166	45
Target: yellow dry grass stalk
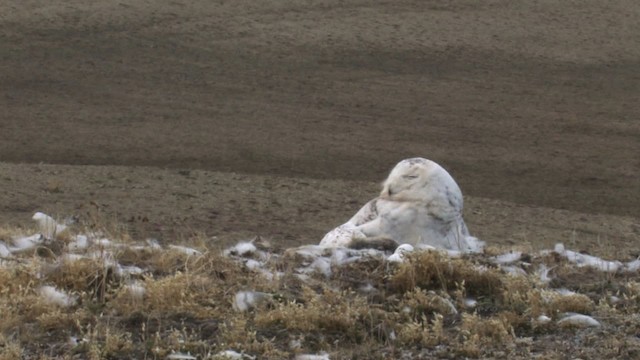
518	294
7	233
421	302
480	333
240	334
10	349
180	292
187	305
196	288
577	303
436	271
632	291
328	312
19	301
85	275
422	332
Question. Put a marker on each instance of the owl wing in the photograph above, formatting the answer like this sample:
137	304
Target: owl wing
343	234
367	213
445	226
446	208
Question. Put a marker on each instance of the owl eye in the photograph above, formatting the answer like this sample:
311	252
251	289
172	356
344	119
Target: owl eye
410	176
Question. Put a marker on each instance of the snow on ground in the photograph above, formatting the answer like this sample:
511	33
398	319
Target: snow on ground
306	261
314	259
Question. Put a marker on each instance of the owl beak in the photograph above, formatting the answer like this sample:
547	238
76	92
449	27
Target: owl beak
386	192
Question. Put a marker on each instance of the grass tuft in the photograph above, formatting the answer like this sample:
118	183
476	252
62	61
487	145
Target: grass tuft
365	309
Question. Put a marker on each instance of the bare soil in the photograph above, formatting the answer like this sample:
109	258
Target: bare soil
278	118
240	118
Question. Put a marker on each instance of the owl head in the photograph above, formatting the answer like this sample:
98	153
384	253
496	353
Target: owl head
418	179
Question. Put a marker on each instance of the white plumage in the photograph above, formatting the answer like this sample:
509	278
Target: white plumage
48	225
420	204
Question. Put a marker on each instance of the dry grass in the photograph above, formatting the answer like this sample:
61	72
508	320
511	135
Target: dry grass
369	309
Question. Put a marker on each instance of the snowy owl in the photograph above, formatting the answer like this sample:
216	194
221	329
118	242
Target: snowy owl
420	204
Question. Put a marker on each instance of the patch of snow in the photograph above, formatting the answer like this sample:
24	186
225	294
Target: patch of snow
470	303
243	248
4	250
454	254
154	244
565	292
295	344
367	288
399	255
579	320
72	257
321	356
180	356
79	242
507	258
135	290
452	309
104	242
122	270
543	319
543	273
75	341
253	264
48	226
632	265
232	355
106	257
26	243
588	260
56	297
185	250
321	265
246	300
513	270
474	245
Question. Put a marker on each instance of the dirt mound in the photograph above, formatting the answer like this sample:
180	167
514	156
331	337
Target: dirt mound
100	295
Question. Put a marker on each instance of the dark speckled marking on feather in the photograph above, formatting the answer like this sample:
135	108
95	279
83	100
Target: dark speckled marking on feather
414	161
373	210
436	217
450	201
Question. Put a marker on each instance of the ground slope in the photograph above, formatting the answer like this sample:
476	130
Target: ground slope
534	103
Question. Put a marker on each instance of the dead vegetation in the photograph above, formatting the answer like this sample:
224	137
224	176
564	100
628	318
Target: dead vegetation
430	306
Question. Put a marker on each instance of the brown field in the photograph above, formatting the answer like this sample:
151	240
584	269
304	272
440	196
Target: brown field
532	107
232	119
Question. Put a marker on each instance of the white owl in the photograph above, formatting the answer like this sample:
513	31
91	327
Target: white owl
420	204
